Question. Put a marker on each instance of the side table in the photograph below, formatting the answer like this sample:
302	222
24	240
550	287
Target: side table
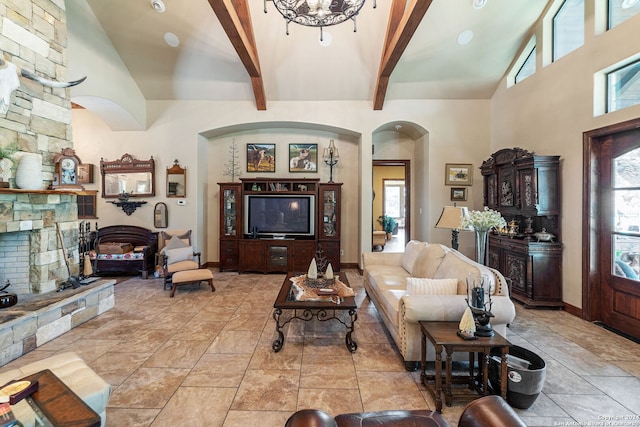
443	335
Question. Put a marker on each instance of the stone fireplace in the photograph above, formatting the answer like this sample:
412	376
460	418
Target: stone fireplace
31	254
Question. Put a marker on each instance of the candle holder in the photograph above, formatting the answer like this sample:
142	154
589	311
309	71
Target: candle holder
331	157
479	301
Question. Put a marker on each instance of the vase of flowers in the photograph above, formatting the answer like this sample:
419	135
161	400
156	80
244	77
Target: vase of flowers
482	222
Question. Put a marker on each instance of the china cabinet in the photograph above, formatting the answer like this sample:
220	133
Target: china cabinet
525	189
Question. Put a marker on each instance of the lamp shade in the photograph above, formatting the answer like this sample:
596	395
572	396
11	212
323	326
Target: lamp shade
451	217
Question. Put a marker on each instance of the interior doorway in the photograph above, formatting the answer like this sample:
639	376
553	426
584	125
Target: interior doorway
611	227
392	197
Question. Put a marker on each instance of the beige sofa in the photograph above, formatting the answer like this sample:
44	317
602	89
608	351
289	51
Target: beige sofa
385	280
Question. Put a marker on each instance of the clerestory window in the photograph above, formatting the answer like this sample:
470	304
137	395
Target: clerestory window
568	28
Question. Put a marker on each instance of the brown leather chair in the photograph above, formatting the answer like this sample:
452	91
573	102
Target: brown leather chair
487	411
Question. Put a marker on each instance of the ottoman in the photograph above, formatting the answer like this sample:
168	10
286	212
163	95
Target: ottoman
72	371
191	276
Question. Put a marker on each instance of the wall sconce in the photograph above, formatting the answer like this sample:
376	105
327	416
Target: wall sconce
331	157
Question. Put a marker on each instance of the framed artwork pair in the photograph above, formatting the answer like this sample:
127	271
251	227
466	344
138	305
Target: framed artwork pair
302	158
458	174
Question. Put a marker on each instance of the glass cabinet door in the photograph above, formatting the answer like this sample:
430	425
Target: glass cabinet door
230	212
329	219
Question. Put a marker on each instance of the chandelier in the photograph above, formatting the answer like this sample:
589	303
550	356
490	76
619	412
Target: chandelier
318	13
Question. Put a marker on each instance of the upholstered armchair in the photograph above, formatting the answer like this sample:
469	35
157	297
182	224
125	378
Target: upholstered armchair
176	253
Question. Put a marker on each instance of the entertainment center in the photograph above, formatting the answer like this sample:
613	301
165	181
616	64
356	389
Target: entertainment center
278	225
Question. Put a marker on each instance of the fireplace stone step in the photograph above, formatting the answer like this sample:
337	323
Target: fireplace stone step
37	319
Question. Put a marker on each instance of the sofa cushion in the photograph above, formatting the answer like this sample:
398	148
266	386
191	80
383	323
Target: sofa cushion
428	260
387	277
457	265
411	252
426	286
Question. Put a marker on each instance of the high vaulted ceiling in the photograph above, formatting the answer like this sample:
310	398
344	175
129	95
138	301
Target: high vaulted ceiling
422	59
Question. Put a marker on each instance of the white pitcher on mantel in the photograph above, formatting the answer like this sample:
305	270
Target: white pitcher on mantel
29	172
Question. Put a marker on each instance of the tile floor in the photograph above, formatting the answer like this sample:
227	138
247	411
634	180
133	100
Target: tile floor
205	359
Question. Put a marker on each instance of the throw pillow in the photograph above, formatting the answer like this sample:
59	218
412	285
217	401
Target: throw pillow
411	252
165	237
175	243
180	254
420	286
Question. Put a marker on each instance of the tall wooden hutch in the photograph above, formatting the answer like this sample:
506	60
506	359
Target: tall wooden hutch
525	188
241	251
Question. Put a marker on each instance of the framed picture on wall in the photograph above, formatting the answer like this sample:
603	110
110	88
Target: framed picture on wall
261	157
303	158
458	174
458	193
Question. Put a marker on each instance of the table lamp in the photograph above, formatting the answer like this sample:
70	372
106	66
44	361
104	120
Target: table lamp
450	218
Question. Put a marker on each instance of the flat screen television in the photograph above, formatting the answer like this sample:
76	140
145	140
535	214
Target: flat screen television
275	215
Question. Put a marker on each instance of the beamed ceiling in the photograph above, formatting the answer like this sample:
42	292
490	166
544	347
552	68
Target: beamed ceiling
233	50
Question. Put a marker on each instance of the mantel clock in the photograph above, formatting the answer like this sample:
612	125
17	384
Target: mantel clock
66	170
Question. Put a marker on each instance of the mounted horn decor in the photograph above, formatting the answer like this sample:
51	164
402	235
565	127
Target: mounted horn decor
9	82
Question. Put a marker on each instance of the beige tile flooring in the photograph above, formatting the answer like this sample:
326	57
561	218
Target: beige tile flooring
205	359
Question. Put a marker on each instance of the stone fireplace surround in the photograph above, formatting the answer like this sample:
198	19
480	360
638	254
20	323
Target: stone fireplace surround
36	213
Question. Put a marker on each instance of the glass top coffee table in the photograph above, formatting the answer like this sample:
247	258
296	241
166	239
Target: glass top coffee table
323	310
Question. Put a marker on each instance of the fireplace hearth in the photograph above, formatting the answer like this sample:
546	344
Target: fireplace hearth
31	256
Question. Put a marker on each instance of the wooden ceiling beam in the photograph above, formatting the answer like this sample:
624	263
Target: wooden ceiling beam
235	18
402	24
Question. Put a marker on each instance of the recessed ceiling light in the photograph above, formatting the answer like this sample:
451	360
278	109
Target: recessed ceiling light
465	37
171	39
158	6
479	4
626	4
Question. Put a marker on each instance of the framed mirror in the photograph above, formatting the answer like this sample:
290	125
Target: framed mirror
176	180
127	175
160	215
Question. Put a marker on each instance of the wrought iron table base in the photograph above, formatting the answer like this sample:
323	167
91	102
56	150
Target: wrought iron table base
320	314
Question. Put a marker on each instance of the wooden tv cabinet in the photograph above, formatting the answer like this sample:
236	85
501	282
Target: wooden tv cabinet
238	252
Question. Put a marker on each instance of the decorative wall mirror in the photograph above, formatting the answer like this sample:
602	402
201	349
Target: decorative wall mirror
127	175
160	215
176	180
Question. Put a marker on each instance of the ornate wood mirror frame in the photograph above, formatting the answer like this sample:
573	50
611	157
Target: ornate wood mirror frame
176	180
127	175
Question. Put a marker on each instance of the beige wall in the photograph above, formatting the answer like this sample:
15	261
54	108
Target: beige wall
548	113
198	134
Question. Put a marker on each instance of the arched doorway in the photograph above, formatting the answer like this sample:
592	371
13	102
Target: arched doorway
392	196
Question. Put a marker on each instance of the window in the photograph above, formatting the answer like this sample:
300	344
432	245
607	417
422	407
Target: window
623	87
86	201
621	10
626	227
528	67
568	28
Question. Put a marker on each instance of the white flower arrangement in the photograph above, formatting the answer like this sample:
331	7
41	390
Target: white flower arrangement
484	220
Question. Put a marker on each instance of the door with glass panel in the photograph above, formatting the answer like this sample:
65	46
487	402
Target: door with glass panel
620	232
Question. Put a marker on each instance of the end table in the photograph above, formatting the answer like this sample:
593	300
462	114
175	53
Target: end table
443	335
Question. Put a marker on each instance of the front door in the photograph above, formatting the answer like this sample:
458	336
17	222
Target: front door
619	237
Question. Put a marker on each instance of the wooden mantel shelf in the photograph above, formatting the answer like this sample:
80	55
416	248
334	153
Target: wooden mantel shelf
20	191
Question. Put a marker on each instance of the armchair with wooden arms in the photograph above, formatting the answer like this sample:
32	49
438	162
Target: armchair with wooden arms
176	253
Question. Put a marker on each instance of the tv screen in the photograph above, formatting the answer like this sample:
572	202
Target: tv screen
275	214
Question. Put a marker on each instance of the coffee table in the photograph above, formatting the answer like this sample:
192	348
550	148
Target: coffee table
443	335
58	405
308	310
